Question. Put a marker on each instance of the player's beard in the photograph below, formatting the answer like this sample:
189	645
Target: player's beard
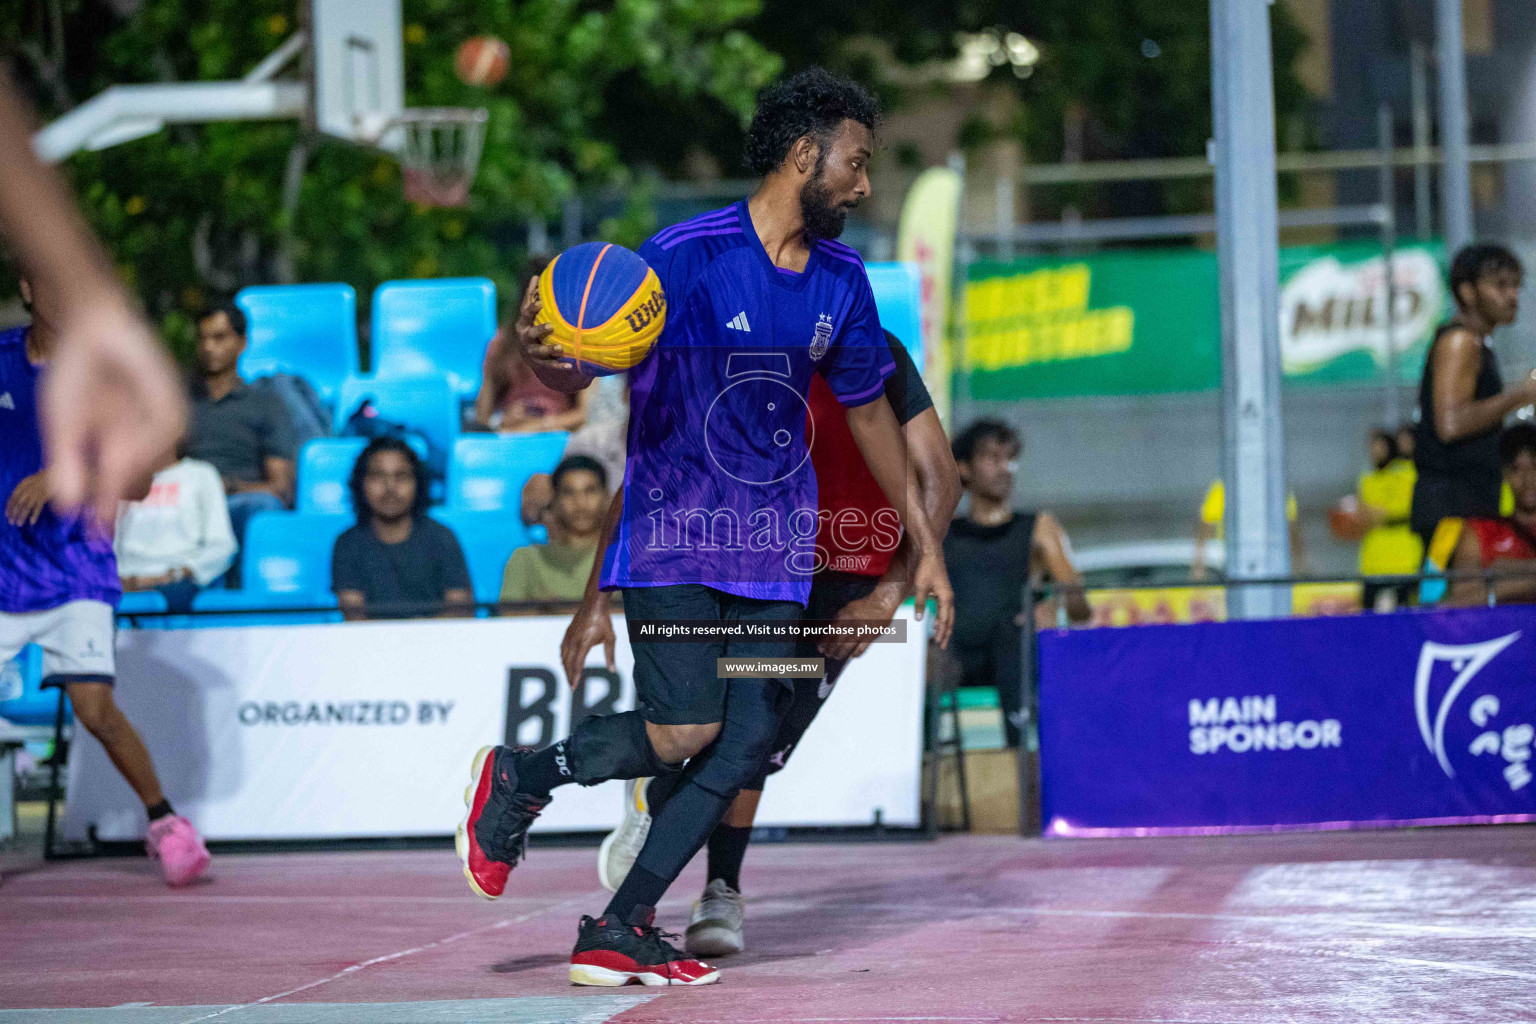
822	217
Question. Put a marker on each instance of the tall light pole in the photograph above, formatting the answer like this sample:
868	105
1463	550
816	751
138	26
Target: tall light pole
1456	172
1248	252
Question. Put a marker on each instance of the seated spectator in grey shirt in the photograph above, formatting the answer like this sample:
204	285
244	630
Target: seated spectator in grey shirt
243	432
396	562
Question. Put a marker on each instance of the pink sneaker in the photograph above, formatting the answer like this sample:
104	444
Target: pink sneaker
175	843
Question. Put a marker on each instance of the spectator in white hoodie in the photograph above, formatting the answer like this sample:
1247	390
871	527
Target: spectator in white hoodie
178	540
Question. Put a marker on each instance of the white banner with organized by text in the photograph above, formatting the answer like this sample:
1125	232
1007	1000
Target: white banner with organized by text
367	729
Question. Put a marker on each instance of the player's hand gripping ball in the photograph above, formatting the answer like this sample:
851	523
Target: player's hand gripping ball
605	304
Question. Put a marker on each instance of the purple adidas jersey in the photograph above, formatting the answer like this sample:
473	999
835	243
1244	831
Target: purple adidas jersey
718	485
55	560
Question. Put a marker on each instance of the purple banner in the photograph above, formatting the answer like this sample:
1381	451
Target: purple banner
1349	722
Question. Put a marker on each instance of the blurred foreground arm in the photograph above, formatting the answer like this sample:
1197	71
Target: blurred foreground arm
111	408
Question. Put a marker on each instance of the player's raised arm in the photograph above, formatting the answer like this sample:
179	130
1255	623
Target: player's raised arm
111	407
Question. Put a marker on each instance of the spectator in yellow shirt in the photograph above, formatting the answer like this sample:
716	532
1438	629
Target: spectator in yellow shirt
1390	547
1212	526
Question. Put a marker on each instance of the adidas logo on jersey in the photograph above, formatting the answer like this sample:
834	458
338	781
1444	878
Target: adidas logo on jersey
739	323
6	401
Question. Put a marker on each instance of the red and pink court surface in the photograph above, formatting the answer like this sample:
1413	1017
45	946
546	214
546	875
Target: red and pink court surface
1431	926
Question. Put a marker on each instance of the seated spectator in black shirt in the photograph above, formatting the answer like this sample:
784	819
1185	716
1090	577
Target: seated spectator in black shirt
992	554
243	432
396	562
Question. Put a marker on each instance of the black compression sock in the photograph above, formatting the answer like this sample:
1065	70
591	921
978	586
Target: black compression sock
660	791
727	849
545	769
640	889
159	810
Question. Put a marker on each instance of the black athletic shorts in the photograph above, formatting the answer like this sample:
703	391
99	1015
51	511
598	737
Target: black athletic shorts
829	593
678	683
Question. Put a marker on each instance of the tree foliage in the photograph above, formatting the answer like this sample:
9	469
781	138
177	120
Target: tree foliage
1136	74
196	211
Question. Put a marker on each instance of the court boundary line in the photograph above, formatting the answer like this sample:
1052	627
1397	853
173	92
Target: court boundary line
1318	919
399	955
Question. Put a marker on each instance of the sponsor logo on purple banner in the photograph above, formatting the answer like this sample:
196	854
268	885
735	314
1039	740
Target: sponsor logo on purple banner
1452	695
1412	718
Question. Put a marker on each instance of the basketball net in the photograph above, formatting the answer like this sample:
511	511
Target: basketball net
440	153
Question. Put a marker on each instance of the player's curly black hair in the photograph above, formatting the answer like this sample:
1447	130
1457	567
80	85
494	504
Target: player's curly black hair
1519	438
968	440
360	470
811	102
1478	259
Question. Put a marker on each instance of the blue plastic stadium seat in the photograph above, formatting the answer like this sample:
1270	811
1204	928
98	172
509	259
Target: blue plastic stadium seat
141	602
427	404
147	603
325	467
488	540
486	472
290	552
435	326
35	706
255	608
898	289
305	329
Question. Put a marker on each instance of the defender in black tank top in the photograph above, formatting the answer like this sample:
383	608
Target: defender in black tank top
991	556
1462	401
1456	478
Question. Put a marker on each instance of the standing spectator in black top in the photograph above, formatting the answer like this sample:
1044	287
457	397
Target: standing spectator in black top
397	563
245	433
1462	401
991	554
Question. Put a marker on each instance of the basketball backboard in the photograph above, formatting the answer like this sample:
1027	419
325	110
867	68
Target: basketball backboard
357	82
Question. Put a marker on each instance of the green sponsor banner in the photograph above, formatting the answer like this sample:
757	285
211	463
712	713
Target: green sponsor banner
1148	321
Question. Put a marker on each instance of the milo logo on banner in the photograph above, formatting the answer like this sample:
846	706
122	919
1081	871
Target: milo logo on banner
1330	308
1470	722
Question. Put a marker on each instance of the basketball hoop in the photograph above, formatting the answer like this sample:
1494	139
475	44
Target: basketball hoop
440	152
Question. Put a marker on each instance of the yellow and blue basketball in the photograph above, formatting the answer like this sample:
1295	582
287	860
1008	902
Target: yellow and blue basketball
606	305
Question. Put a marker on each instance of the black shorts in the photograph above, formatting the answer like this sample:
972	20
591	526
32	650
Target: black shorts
679	683
830	592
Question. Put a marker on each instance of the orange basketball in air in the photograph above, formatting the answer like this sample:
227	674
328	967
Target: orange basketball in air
482	60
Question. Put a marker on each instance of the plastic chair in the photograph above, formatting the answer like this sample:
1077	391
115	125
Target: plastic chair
305	329
426	404
257	608
325	467
35	706
898	289
486	472
148	603
488	540
436	326
141	602
289	552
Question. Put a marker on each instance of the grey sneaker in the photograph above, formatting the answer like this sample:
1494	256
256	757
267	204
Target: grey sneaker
621	846
716	926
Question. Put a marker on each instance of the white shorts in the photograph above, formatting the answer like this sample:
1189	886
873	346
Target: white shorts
76	639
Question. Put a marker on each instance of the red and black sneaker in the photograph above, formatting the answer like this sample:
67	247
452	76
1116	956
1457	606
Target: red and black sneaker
611	953
494	833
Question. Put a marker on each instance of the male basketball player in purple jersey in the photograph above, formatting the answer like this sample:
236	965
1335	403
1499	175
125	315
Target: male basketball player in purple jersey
720	512
59	587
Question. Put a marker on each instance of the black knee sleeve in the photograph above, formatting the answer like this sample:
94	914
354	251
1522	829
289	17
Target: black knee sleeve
729	767
604	747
